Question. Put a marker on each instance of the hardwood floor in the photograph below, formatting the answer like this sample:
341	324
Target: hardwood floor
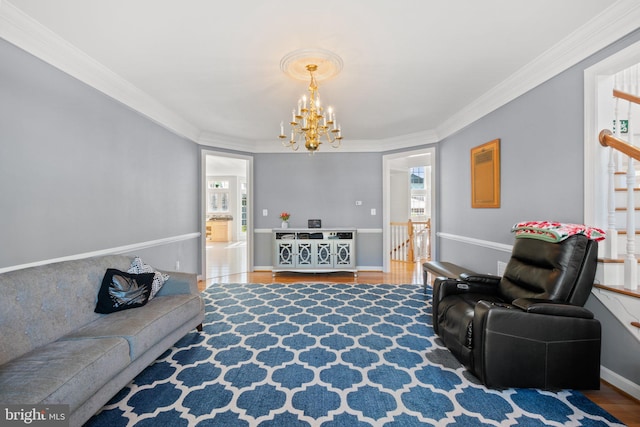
620	405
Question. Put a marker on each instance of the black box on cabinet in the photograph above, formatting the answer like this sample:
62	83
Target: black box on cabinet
314	223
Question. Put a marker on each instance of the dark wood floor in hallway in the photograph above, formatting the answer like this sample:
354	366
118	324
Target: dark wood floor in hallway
620	405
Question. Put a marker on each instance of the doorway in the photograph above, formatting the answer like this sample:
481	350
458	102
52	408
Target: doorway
403	199
226	214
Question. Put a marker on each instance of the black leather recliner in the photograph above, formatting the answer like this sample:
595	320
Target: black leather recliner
527	328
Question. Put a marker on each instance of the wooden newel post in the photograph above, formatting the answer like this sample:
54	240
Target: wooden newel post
410	254
429	239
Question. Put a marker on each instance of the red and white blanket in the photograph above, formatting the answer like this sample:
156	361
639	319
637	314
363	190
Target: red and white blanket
555	231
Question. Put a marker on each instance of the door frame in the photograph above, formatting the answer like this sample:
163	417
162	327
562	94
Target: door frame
203	203
386	201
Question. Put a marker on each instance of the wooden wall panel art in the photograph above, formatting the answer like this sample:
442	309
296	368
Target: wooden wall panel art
485	175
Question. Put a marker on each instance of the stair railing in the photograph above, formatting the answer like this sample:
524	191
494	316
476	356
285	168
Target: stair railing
607	139
410	241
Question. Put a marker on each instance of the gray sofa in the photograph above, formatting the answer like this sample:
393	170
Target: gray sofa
55	350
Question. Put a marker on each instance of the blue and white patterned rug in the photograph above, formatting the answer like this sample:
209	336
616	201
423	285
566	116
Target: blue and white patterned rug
326	355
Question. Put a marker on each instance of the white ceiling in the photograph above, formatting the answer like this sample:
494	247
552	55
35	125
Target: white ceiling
210	70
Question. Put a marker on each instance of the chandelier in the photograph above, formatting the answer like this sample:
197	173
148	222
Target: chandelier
310	123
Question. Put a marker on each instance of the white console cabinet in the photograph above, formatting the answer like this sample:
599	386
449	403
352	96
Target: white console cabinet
314	250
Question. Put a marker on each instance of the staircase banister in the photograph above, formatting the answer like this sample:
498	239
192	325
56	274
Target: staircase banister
607	139
626	96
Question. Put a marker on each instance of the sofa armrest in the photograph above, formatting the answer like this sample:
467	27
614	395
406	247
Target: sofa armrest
179	283
543	306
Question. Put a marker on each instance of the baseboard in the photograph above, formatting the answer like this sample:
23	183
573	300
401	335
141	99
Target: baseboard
620	382
263	268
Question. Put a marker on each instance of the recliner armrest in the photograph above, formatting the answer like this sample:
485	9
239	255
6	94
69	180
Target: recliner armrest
444	286
488	279
543	306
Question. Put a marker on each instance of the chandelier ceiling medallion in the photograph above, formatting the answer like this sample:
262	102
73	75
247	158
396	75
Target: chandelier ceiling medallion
310	124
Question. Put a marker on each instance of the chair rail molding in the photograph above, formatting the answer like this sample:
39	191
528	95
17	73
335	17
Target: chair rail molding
477	242
109	251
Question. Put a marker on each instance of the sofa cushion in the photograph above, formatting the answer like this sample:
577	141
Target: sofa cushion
63	372
121	291
145	326
41	304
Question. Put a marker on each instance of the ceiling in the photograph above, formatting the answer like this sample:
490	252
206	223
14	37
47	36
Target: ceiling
413	69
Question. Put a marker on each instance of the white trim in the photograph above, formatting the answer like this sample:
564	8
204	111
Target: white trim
25	32
110	251
620	382
593	151
618	20
370	230
386	201
262	230
369	267
28	34
478	242
203	183
358	268
350	145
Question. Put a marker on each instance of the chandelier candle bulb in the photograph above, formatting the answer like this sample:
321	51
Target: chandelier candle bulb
312	126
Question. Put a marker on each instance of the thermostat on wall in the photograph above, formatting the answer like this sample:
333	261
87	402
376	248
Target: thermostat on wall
314	223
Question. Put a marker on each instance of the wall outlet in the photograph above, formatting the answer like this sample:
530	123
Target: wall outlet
177	265
501	267
358	202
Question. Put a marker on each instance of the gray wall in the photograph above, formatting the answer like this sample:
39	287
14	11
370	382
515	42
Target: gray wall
620	347
80	172
325	185
542	175
542	178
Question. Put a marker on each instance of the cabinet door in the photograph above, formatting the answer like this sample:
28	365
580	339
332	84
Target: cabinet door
305	254
323	256
344	254
285	254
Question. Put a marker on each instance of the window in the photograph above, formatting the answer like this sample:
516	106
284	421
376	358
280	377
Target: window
217	196
418	197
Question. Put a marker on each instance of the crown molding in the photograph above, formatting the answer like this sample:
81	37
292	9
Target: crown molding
227	142
615	22
23	31
358	146
20	29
